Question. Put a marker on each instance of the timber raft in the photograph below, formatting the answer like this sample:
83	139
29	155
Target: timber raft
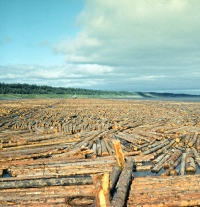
91	152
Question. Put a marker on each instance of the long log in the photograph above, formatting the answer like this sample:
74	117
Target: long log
193	140
170	170
103	148
172	159
123	184
153	149
47	182
183	161
196	156
144	168
190	167
114	176
164	148
159	165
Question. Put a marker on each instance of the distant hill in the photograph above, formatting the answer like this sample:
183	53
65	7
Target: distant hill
17	88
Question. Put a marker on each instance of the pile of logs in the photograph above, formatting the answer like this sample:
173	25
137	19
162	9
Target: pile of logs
50	146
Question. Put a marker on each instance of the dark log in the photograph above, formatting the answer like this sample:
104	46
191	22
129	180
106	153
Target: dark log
108	146
47	182
114	176
123	185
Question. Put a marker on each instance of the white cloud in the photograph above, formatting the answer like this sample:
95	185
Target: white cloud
134	32
133	45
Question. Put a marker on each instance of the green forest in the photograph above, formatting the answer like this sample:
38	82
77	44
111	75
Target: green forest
28	90
17	88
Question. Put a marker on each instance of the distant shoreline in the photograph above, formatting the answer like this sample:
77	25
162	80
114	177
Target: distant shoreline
159	98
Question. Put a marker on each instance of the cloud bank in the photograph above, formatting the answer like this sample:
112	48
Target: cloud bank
133	45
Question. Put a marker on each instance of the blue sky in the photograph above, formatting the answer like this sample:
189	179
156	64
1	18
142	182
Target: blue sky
132	45
30	28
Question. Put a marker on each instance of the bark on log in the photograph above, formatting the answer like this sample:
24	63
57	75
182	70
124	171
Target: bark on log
124	182
170	170
172	159
196	156
155	161
98	146
156	148
190	167
193	140
114	176
164	148
159	165
47	182
183	161
103	148
108	146
144	168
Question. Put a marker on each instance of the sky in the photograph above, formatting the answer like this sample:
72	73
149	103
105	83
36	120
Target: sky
126	45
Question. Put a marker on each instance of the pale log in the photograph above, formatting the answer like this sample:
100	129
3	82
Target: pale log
190	167
156	148
159	165
183	161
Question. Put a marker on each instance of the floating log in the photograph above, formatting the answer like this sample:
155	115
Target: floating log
114	176
171	170
108	146
98	143
164	148
103	148
155	161
153	149
196	156
172	159
193	140
144	168
124	182
183	161
190	167
47	182
159	165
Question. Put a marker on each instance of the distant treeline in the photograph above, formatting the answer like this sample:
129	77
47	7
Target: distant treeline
17	88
